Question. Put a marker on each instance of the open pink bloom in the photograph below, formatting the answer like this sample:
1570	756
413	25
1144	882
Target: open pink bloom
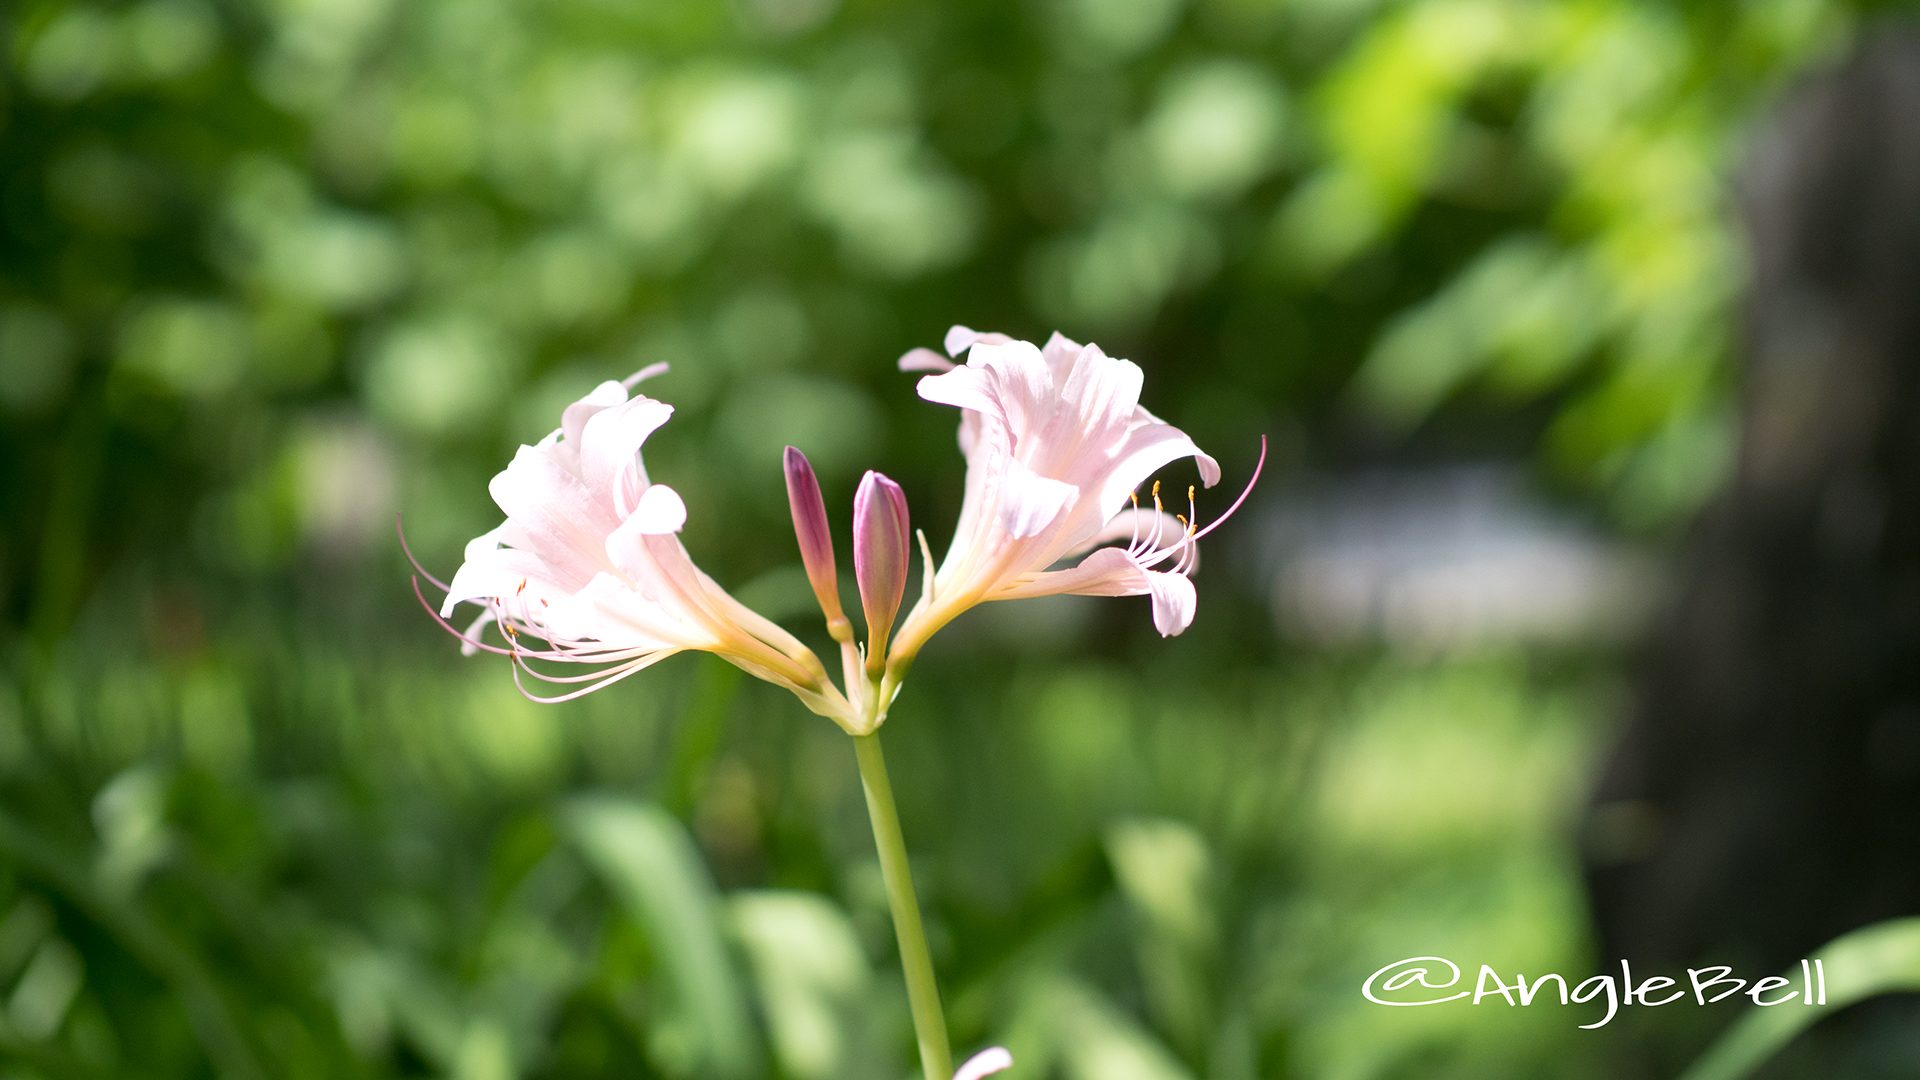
588	569
1057	446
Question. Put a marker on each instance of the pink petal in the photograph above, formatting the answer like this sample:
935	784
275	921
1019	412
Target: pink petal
1103	391
1019	382
1106	571
963	388
925	360
610	440
1145	451
1174	601
1060	352
508	573
960	338
555	515
574	419
659	512
1029	502
969	433
1111	571
985	1063
609	610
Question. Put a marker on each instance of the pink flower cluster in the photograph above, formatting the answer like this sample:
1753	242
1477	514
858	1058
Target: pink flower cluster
588	571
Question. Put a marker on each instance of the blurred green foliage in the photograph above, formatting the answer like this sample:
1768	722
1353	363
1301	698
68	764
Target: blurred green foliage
270	272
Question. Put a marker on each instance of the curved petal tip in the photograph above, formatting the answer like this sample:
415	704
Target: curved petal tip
985	1063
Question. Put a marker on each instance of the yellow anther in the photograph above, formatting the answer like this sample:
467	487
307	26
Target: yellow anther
1156	489
522	587
1134	498
1182	519
1189	492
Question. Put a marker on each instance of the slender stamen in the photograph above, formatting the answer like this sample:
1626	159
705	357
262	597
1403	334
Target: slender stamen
619	673
1185	550
470	638
1244	492
562	650
1152	543
644	374
1189	555
464	636
421	570
629	655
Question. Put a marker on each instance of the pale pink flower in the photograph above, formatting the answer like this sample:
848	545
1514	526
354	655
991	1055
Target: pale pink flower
588	569
1057	446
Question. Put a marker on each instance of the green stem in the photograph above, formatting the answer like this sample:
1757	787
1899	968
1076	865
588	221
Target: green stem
923	996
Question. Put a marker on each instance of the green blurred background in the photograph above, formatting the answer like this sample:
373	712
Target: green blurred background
271	273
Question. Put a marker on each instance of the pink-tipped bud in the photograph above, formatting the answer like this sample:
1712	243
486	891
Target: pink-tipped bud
816	541
881	548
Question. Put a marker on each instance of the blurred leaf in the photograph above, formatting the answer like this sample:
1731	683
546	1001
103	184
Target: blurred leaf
199	996
1880	959
1167	873
812	976
652	867
1091	1038
1519	316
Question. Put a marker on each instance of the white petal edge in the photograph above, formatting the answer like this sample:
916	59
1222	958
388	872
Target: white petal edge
1174	601
574	418
1060	352
985	1063
925	360
611	437
961	387
961	338
660	511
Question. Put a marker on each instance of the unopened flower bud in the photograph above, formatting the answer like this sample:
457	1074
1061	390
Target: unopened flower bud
816	540
881	549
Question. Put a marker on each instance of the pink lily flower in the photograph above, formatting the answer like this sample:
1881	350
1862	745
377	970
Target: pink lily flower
588	568
1057	446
